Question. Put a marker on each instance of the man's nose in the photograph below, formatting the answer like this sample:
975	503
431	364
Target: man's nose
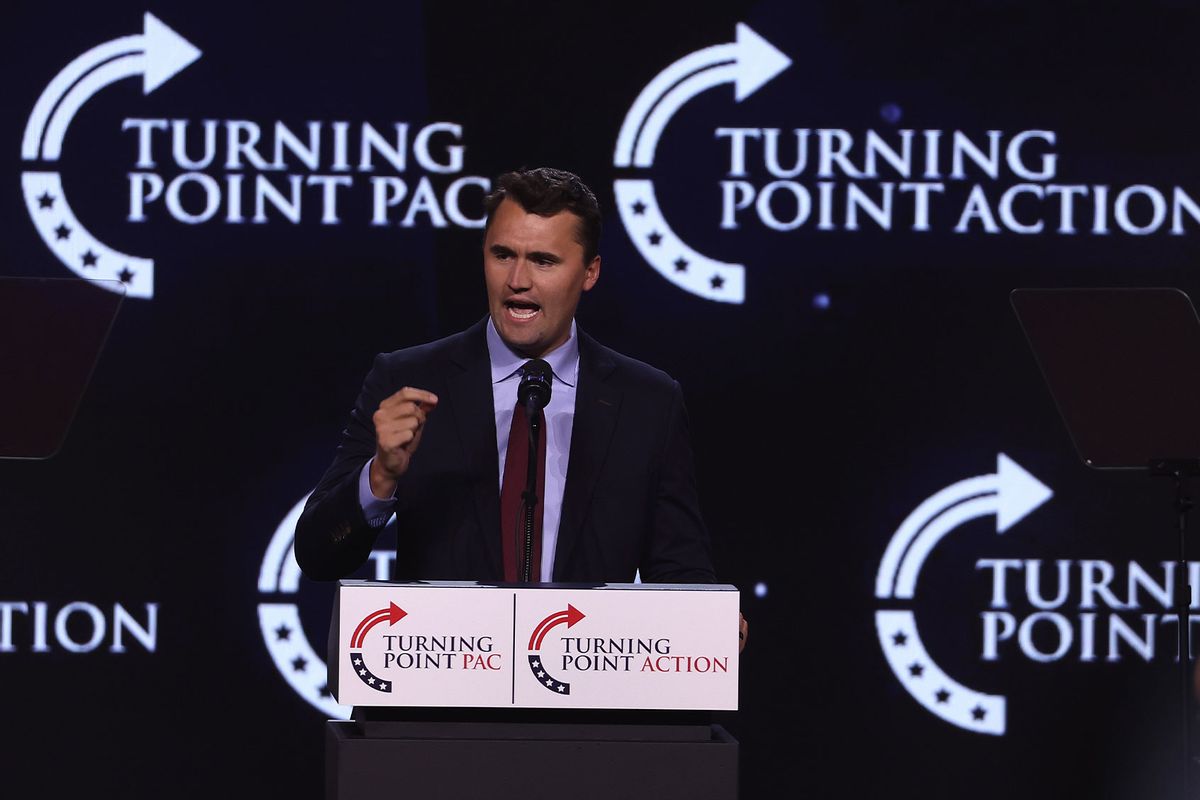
519	277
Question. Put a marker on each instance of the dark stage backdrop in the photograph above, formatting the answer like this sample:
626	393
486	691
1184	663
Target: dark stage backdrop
814	216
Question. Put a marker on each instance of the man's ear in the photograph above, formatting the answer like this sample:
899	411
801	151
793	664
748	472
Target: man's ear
591	274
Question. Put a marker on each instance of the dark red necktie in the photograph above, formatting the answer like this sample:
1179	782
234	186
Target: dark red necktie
512	506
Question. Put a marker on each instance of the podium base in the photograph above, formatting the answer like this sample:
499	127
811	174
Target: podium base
529	760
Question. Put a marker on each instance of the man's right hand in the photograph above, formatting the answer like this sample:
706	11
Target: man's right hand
398	425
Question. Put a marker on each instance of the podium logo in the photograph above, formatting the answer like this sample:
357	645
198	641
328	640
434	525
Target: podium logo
281	625
563	654
391	615
233	171
392	649
569	617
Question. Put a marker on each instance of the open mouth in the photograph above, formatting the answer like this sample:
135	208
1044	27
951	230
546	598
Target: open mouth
519	310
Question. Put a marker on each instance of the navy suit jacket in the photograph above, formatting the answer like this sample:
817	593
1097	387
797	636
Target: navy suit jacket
630	502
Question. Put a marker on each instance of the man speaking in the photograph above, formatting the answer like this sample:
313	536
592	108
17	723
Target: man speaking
614	492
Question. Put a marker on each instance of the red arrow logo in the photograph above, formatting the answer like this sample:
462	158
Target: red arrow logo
570	616
391	615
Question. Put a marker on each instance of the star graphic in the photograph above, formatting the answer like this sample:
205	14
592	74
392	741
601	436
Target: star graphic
299	663
541	674
681	264
357	661
62	231
717	281
979	712
45	201
324	690
655	238
536	663
915	669
549	682
370	680
383	686
90	258
562	688
125	275
639	208
283	633
362	672
899	638
943	696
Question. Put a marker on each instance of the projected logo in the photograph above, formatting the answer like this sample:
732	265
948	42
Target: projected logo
1010	494
569	617
155	55
788	178
748	63
280	624
234	171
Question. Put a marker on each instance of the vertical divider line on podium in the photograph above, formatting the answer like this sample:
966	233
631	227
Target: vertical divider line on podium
513	666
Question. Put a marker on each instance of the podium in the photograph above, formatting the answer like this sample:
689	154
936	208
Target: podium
531	691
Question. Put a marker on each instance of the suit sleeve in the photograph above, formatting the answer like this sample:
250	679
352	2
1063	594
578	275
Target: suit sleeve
333	537
678	549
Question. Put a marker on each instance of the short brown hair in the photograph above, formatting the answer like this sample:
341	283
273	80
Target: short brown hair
545	191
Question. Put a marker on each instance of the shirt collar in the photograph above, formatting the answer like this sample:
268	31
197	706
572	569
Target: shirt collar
563	360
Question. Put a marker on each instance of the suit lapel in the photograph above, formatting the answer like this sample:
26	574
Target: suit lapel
469	380
597	403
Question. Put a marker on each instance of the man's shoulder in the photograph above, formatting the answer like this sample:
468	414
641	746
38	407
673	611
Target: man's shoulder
624	369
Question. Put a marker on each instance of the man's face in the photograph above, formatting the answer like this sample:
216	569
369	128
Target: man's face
535	276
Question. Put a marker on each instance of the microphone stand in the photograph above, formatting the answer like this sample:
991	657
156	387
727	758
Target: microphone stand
533	413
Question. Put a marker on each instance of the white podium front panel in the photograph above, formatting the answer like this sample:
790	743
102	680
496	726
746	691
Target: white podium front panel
617	646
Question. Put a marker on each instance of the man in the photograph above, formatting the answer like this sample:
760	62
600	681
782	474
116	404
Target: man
428	434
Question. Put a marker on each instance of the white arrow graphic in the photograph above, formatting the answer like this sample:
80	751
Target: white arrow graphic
748	63
156	54
1011	493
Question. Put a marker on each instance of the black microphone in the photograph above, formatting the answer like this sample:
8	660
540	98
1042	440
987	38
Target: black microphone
534	394
534	390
